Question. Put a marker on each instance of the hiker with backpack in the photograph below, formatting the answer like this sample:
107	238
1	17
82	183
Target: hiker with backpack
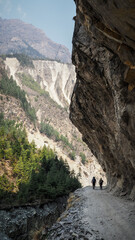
101	183
93	182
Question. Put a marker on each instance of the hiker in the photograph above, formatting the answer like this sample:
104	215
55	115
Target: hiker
101	183
93	182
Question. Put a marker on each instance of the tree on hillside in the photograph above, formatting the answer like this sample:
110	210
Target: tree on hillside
38	173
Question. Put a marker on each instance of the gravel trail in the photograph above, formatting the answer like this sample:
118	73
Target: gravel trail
95	215
112	217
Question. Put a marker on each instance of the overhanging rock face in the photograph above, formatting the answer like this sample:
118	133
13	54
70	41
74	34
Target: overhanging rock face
103	101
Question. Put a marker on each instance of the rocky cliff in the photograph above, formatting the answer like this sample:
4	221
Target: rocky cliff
30	221
17	36
104	95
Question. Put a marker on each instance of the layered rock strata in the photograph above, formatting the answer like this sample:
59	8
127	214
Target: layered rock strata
103	100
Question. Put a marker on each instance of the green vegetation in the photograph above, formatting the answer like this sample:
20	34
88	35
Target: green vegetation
72	155
52	133
28	55
25	61
9	87
36	99
48	130
5	185
28	81
83	158
37	173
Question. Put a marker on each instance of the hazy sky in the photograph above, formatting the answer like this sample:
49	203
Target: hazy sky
54	17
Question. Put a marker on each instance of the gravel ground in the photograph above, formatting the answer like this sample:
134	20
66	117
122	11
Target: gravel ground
95	215
113	217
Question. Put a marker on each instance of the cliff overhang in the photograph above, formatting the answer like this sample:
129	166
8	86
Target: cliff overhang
103	101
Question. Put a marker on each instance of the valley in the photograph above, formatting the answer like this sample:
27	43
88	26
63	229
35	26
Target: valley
63	121
52	110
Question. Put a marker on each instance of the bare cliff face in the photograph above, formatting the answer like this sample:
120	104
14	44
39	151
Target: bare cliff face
103	101
56	78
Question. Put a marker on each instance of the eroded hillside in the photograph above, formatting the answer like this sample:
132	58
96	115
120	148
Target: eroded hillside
64	137
56	78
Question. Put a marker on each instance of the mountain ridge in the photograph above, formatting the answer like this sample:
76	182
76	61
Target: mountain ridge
17	36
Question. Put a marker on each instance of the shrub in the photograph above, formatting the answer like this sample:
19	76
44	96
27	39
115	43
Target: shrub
9	87
47	129
28	81
25	61
83	158
72	155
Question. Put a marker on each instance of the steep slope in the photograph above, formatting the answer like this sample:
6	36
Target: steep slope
69	144
103	100
56	78
19	37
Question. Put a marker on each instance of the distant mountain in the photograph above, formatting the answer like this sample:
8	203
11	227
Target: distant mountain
19	37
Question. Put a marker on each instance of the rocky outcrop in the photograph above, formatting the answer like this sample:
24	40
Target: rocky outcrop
30	222
95	215
19	37
70	225
103	101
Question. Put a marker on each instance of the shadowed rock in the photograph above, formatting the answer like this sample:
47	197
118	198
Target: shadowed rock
103	101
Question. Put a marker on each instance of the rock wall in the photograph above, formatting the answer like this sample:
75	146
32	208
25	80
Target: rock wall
56	78
30	222
103	100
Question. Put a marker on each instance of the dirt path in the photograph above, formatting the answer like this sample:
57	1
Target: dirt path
112	217
95	215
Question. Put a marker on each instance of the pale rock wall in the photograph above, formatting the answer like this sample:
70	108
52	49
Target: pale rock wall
56	78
